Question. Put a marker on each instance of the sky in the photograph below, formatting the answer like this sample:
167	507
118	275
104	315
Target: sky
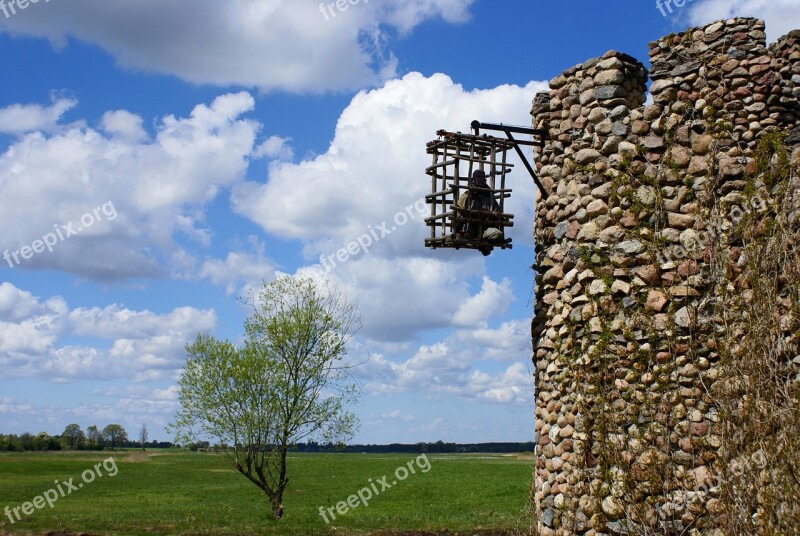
160	160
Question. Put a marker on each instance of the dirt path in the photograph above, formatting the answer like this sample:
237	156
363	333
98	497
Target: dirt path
139	456
382	533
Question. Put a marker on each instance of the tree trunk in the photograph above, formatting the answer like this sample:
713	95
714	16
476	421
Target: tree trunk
277	497
277	507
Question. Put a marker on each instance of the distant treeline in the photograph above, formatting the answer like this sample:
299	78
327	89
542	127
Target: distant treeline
114	436
28	442
414	448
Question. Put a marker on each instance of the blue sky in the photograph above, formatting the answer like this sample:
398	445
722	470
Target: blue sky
204	147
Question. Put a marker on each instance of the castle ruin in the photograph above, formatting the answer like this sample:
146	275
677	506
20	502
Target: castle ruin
642	261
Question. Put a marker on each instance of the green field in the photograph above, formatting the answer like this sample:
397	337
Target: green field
197	493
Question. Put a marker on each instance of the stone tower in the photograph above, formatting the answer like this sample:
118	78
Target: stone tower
629	437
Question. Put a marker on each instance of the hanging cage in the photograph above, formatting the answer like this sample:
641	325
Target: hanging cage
456	222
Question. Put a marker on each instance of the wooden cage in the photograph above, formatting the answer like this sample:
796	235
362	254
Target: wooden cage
455	158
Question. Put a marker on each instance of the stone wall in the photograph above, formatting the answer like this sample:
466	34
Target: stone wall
624	333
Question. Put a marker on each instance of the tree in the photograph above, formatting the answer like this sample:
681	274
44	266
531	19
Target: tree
27	442
286	383
94	438
115	434
40	441
73	435
143	435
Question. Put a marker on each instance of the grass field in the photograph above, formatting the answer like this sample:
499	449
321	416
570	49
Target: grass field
197	493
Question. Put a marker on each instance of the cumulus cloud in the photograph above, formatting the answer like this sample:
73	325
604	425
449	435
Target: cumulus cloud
22	118
16	304
289	45
11	406
398	414
275	148
124	125
369	182
240	272
370	179
493	299
452	368
129	407
511	341
400	297
512	386
374	168
781	16
132	345
158	185
28	327
437	425
136	401
359	207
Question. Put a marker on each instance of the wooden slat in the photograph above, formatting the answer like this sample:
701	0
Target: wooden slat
439	194
447	242
432	168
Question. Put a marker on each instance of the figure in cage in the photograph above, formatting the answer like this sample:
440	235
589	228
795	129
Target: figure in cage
466	211
477	214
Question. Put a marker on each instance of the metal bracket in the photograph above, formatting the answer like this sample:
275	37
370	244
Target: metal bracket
509	130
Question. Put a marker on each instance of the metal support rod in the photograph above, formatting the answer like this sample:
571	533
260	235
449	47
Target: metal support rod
528	167
477	126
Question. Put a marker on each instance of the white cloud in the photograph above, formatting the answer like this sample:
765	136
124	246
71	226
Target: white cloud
509	342
136	401
16	304
374	167
434	426
133	345
115	322
158	185
271	44
449	368
513	386
435	358
27	326
10	406
124	125
397	298
275	148
369	176
241	271
781	16
406	15
22	118
170	393
130	407
493	299
398	415
367	187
